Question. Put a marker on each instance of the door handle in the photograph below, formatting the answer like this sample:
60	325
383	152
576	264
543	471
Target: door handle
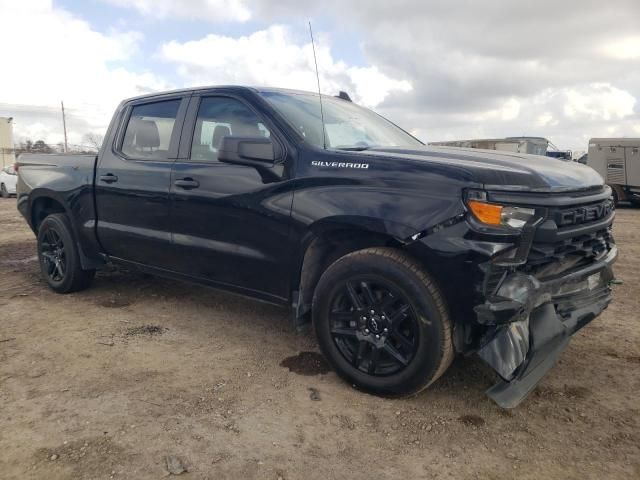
108	178
187	183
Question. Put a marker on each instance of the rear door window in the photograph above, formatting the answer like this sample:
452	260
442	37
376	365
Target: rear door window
149	130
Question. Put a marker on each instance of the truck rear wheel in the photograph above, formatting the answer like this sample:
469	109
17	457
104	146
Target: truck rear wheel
382	322
59	256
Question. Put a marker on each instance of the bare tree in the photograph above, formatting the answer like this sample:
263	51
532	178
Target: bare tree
93	140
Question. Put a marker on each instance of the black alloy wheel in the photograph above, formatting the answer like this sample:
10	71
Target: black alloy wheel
381	322
59	256
374	326
53	255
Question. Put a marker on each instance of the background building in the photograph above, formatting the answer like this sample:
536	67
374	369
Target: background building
7	151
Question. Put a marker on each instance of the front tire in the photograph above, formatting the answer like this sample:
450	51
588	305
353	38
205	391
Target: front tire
4	193
59	256
382	323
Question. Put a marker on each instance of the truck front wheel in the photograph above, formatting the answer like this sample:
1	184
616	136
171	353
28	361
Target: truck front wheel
382	322
59	256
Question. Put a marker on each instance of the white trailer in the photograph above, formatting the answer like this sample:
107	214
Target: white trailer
532	145
617	160
7	156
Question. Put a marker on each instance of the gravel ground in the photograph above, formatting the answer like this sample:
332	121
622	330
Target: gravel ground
138	377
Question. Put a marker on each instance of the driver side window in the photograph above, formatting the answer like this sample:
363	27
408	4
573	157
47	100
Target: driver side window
220	117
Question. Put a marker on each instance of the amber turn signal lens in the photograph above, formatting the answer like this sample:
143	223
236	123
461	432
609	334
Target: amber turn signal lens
486	212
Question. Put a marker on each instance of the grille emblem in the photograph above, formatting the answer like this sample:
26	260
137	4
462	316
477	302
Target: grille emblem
583	214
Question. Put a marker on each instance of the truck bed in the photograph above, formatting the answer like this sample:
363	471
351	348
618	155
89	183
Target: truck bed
65	180
56	159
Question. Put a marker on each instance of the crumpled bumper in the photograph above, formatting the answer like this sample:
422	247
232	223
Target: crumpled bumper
534	321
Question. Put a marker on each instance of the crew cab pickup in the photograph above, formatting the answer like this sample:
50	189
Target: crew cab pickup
401	255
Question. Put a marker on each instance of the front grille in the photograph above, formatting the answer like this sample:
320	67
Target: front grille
556	248
587	246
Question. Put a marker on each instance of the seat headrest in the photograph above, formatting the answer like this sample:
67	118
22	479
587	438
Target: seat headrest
246	130
219	132
147	135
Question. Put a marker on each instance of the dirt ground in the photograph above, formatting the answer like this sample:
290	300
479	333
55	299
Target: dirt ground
110	382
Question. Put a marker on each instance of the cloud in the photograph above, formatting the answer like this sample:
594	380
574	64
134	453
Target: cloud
58	56
469	63
599	101
274	57
624	49
211	10
442	69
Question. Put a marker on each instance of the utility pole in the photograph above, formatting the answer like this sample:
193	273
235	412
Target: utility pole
64	126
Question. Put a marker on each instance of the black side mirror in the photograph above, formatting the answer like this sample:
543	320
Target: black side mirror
251	151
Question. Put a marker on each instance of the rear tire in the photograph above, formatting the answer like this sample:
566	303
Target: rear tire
4	193
59	256
382	323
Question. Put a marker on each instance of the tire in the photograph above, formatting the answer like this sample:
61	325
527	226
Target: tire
59	256
4	193
616	199
400	349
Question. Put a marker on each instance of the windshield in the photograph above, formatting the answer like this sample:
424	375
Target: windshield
347	126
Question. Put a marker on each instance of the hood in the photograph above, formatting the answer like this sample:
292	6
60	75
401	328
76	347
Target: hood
501	170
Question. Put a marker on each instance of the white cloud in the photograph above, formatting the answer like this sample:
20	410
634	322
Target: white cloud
467	60
58	56
212	10
546	119
272	57
624	49
373	86
599	101
444	70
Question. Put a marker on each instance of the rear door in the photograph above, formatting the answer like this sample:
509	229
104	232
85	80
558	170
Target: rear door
230	222
133	178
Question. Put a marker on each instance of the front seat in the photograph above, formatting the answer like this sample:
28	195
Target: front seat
218	133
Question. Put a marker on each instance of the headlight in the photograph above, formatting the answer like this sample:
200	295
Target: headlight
496	214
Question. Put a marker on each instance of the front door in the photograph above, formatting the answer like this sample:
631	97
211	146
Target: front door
230	222
133	177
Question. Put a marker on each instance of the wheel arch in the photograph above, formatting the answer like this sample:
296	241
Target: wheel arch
43	203
324	243
41	207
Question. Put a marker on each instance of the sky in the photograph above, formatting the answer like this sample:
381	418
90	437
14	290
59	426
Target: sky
444	70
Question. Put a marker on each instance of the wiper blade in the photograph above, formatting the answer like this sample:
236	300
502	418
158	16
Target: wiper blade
355	149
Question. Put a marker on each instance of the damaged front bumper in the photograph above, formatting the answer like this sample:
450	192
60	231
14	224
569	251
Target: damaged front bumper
533	323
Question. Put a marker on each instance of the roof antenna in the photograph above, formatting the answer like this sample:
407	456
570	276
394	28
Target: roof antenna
324	135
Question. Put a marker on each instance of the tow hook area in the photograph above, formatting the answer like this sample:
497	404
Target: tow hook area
530	323
547	337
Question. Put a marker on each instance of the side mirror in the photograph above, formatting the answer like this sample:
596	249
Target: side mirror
250	151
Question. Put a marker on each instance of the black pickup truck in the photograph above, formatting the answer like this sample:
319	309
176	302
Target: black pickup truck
402	255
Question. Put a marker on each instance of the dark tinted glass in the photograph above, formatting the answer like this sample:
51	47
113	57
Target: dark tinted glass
149	130
220	117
